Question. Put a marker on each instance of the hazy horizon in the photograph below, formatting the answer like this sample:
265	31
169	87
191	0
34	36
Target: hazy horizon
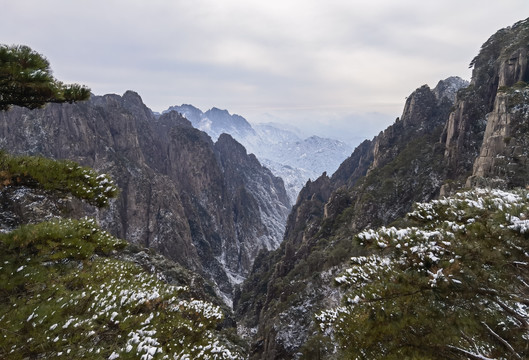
333	68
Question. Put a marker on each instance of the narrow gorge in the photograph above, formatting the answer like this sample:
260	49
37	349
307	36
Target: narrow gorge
203	217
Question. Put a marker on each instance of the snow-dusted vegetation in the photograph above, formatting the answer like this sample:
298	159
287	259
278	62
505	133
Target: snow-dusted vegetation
62	176
453	284
66	296
65	291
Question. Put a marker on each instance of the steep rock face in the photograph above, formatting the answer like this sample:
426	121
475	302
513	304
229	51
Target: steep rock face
245	175
309	206
420	115
502	62
179	194
355	166
375	186
105	135
514	68
503	159
287	155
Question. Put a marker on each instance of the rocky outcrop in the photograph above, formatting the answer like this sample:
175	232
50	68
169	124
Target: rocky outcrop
503	160
514	68
210	207
425	109
449	88
502	62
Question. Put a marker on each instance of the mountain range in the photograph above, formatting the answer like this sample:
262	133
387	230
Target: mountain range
414	247
208	206
283	151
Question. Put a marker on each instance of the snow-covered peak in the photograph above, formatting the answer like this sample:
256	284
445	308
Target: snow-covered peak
215	121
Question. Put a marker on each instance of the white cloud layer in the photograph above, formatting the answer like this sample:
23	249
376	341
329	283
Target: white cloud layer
322	64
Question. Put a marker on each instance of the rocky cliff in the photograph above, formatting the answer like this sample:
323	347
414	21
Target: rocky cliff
210	207
446	137
503	158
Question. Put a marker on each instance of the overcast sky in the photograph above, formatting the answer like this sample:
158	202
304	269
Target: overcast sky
332	67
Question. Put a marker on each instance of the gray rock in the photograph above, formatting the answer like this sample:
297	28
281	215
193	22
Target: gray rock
209	207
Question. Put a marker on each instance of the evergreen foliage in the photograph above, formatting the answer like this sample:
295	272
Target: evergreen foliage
26	80
451	285
57	175
64	296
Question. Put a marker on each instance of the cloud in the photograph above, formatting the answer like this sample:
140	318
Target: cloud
289	58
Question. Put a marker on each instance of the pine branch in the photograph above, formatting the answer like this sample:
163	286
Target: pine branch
502	340
524	283
469	354
521	319
469	340
496	298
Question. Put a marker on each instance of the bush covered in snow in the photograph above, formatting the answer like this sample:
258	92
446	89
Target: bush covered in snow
65	292
65	296
451	285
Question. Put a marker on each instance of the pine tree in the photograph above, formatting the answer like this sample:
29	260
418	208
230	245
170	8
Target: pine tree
26	80
451	285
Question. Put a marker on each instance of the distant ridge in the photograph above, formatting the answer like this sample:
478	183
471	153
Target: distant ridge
289	156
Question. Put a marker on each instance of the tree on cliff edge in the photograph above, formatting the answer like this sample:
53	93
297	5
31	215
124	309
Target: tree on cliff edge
26	80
